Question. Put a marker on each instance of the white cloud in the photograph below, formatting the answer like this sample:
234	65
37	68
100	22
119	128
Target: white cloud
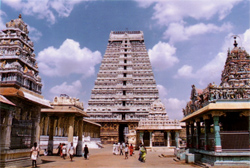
68	59
185	71
177	32
34	34
44	9
174	107
162	56
72	90
162	90
176	11
2	24
211	72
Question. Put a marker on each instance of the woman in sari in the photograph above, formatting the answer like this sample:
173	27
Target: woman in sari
131	150
143	152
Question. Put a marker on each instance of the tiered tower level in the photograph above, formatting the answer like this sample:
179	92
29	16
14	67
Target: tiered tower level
17	58
125	86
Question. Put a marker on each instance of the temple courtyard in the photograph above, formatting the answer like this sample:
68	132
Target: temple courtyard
104	158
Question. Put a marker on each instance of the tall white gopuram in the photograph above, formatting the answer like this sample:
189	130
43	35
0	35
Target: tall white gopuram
125	86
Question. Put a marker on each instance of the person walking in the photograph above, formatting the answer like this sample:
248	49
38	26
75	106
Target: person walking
131	150
114	149
126	151
64	151
86	152
34	152
71	151
121	148
59	150
143	152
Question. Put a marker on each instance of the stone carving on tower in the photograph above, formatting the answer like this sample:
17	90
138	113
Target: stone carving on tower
125	86
17	58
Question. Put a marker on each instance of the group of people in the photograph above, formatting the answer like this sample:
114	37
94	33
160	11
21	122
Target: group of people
119	147
62	151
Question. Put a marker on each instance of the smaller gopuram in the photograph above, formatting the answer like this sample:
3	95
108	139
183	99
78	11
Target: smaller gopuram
157	129
65	120
218	118
21	85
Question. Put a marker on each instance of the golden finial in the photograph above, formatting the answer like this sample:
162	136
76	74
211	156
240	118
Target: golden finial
20	16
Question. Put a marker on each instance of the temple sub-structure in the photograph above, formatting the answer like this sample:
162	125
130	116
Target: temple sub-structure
218	118
20	87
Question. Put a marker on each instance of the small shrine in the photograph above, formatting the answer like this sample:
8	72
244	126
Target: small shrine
218	117
21	85
66	120
157	129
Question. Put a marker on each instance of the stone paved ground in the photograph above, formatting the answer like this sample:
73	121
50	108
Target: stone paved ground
103	158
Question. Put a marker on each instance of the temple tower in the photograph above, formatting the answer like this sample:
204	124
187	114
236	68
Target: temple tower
236	69
125	86
21	85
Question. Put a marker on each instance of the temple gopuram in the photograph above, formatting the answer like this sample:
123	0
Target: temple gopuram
218	117
20	87
124	90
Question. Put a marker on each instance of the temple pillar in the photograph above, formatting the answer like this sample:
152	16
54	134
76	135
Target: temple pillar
247	114
207	130
150	138
46	125
187	135
217	139
51	133
79	143
192	134
168	139
37	126
141	137
198	132
177	139
6	133
71	129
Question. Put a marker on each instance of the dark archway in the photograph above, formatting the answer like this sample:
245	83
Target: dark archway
123	129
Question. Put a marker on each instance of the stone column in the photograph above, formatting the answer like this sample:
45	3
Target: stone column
6	133
79	143
192	135
187	135
150	138
71	129
177	139
168	139
207	127
141	136
51	133
37	125
247	114
217	138
198	132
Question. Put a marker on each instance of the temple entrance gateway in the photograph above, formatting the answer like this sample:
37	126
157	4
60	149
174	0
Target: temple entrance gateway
123	130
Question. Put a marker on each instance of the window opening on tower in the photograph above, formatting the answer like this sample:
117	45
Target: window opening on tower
123	103
125	67
124	83
124	92
124	75
125	61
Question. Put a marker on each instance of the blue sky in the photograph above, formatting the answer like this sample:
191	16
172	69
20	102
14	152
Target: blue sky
187	41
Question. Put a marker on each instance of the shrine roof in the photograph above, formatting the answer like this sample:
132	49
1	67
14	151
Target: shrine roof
91	122
6	101
220	105
25	94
